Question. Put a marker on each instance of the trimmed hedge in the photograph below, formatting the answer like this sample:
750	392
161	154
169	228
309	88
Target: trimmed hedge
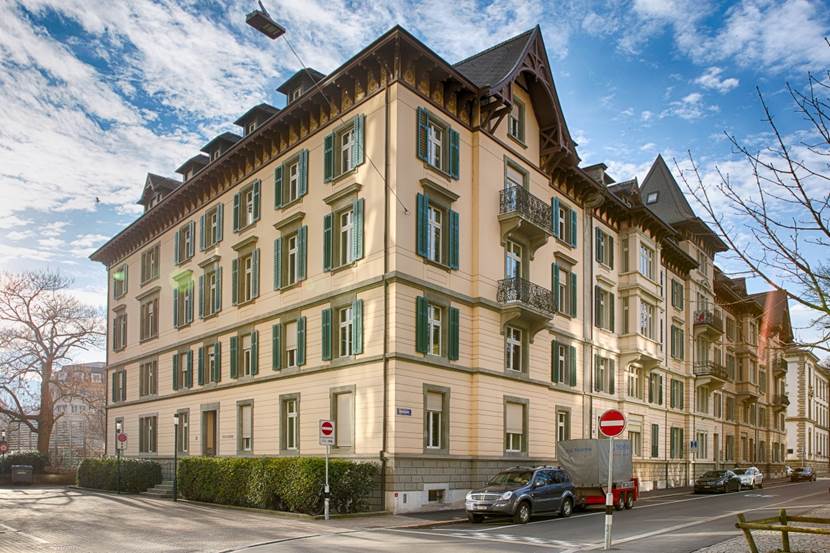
39	461
293	484
136	475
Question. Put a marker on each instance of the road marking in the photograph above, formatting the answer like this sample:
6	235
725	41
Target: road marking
24	534
487	537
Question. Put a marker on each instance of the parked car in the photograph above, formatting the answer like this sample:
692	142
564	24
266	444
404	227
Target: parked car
521	492
718	481
751	477
788	471
803	473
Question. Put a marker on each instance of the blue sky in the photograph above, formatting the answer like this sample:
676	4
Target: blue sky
93	95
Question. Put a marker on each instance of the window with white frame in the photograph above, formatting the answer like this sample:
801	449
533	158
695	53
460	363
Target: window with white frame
604	248
246	428
676	444
345	229
514	427
512	260
345	141
647	316
634	377
211	290
646	261
636	439
604	309
514	176
119	330
247	212
148	375
291	344
344	326
149	310
513	349
247	355
293	173
435	143
150	264
702	396
516	120
147	434
434	317
702	445
434	422
435	224
563	425
119	281
292	259
290	413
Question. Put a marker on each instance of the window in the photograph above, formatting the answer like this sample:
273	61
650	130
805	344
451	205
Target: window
245	270
437	331
516	121
512	260
342	330
647	314
646	261
147	429
604	248
604	309
119	281
604	374
626	316
434	420
119	386
655	388
345	331
762	381
729	447
96	378
702	445
184	243
730	366
514	417
702	399
677	342
210	225
655	440
245	354
214	362
438	143
150	264
291	345
343	149
651	198
513	349
563	359
291	423
636	439
210	290
291	180
730	329
183	432
148	378
246	207
119	330
514	177
292	335
435	495
730	408
676	443
343	415
437	231
677	294
343	236
676	395
434	323
634	376
245	424
717	405
625	256
563	425
183	302
564	288
182	370
563	222
295	94
703	263
149	317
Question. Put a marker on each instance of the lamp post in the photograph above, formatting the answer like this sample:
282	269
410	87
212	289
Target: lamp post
175	453
3	441
117	457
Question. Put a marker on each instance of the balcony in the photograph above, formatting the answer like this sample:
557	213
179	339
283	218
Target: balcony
524	215
713	374
709	322
747	391
745	348
780	402
529	304
779	366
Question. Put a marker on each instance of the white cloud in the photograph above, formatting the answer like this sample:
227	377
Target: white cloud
646	116
690	107
711	79
647	147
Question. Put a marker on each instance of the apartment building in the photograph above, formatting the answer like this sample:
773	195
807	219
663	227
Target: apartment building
808	428
410	248
79	406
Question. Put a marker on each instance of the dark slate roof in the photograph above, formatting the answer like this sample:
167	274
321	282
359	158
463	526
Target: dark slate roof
300	76
157	183
199	159
776	313
227	137
263	111
671	204
489	67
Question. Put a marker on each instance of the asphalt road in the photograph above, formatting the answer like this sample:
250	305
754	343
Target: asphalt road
674	523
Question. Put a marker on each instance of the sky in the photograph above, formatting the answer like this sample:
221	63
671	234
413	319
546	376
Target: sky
94	95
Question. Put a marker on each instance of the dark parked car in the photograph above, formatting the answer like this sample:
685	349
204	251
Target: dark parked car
803	473
718	481
521	492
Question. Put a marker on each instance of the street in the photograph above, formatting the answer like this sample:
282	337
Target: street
41	520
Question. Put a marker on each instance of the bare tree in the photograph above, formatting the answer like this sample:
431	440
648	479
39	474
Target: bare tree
778	224
41	327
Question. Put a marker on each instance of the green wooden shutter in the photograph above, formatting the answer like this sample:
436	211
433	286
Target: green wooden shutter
302	252
357	234
277	263
255	279
114	395
301	341
573	294
218	300
202	231
201	296
423	133
123	380
454	331
598	307
651	388
612	312
217	368
303	176
326	334
176	253
255	352
610	246
598	244
421	324
554	361
357	326
278	186
573	227
200	366
234	357
421	228
597	379
191	249
327	241
612	370
454	153
554	273
328	157
236	212
554	216
220	222
176	306
572	365
256	200
660	389
175	371
189	369
276	347
125	271
454	239
189	292
359	138
235	281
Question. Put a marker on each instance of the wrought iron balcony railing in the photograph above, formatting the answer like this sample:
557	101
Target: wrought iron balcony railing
517	199
710	319
780	400
518	290
711	369
779	365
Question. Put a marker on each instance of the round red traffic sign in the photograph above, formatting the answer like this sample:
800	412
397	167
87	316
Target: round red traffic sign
4	447
326	428
612	423
122	437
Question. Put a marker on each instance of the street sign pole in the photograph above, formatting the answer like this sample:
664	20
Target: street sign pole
609	496
326	500
327	438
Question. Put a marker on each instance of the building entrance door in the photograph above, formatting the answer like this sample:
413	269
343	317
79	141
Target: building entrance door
209	425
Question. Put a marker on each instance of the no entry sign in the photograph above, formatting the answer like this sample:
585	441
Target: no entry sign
326	432
612	423
4	447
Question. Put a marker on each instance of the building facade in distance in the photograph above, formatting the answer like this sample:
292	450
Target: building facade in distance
411	249
808	427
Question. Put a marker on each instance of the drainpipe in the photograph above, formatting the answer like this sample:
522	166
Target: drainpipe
385	426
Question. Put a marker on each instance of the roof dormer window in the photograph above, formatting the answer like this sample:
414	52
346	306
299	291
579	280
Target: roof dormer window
214	155
251	127
295	94
651	198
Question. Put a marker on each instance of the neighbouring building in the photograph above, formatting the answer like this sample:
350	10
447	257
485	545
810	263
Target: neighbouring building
80	409
411	249
808	428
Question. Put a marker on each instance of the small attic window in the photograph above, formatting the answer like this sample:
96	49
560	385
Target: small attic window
214	155
295	94
651	198
251	127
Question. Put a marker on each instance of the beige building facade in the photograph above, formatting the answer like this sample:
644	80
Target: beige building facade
808	428
410	249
